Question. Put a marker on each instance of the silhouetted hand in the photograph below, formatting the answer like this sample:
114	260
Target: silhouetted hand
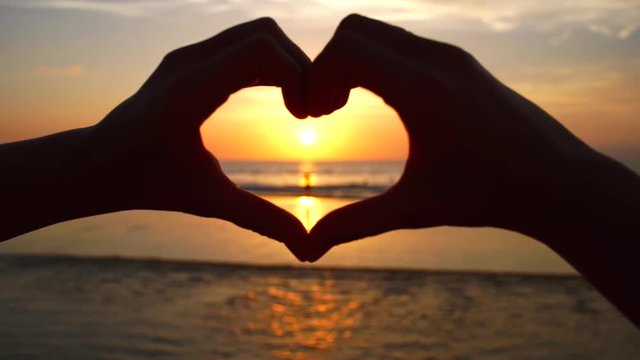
157	131
479	155
148	152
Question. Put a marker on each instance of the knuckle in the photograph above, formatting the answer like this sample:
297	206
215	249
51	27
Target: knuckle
340	46
349	21
262	43
464	66
458	54
462	54
174	57
267	24
342	41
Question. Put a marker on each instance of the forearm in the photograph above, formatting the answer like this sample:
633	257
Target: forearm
52	179
594	227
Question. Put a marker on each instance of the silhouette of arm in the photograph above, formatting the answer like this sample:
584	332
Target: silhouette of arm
148	153
479	155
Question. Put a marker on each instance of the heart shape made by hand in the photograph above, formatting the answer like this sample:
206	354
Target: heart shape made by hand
451	156
332	166
469	162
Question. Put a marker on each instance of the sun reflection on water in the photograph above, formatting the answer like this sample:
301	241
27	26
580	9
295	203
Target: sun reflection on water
308	210
299	319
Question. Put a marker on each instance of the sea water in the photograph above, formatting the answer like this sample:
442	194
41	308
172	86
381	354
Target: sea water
84	308
423	294
324	179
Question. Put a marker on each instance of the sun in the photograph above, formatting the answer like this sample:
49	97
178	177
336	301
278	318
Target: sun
308	137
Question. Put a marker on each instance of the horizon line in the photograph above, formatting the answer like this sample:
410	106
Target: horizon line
280	266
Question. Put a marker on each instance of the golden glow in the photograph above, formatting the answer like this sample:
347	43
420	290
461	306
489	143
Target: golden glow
307	180
308	211
307	201
308	137
300	319
255	125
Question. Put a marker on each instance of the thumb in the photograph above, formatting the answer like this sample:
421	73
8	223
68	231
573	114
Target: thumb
369	217
254	213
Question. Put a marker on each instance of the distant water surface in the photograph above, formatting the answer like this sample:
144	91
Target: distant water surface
354	179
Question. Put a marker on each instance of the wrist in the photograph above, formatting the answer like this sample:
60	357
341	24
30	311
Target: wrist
89	178
592	224
111	168
53	179
592	196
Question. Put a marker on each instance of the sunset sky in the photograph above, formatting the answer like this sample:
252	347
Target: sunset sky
65	64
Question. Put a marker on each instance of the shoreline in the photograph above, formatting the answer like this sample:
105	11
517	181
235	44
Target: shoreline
198	264
145	234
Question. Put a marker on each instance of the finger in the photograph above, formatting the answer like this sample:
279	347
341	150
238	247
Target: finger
390	36
352	60
336	100
259	215
258	59
210	50
340	98
211	47
369	217
443	61
318	92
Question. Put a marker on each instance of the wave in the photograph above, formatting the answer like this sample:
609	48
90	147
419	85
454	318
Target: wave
325	179
42	262
354	191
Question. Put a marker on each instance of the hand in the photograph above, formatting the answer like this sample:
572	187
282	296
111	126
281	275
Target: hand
152	140
479	154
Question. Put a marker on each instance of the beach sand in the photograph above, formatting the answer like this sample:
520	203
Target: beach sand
150	234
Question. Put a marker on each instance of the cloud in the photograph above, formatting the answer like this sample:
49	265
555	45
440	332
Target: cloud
134	8
618	19
48	71
613	18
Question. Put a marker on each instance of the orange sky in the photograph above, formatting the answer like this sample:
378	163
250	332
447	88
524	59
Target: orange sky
255	125
66	64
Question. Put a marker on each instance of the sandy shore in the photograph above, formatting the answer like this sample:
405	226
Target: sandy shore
151	234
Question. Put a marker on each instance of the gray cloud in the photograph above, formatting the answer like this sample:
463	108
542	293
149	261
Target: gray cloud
613	18
114	7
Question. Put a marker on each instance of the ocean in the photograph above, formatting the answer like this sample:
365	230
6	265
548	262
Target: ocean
88	308
354	179
143	284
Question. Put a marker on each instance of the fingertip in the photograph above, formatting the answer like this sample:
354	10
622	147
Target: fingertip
251	212
294	101
316	114
318	92
317	109
294	93
340	99
313	109
317	245
315	256
296	253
